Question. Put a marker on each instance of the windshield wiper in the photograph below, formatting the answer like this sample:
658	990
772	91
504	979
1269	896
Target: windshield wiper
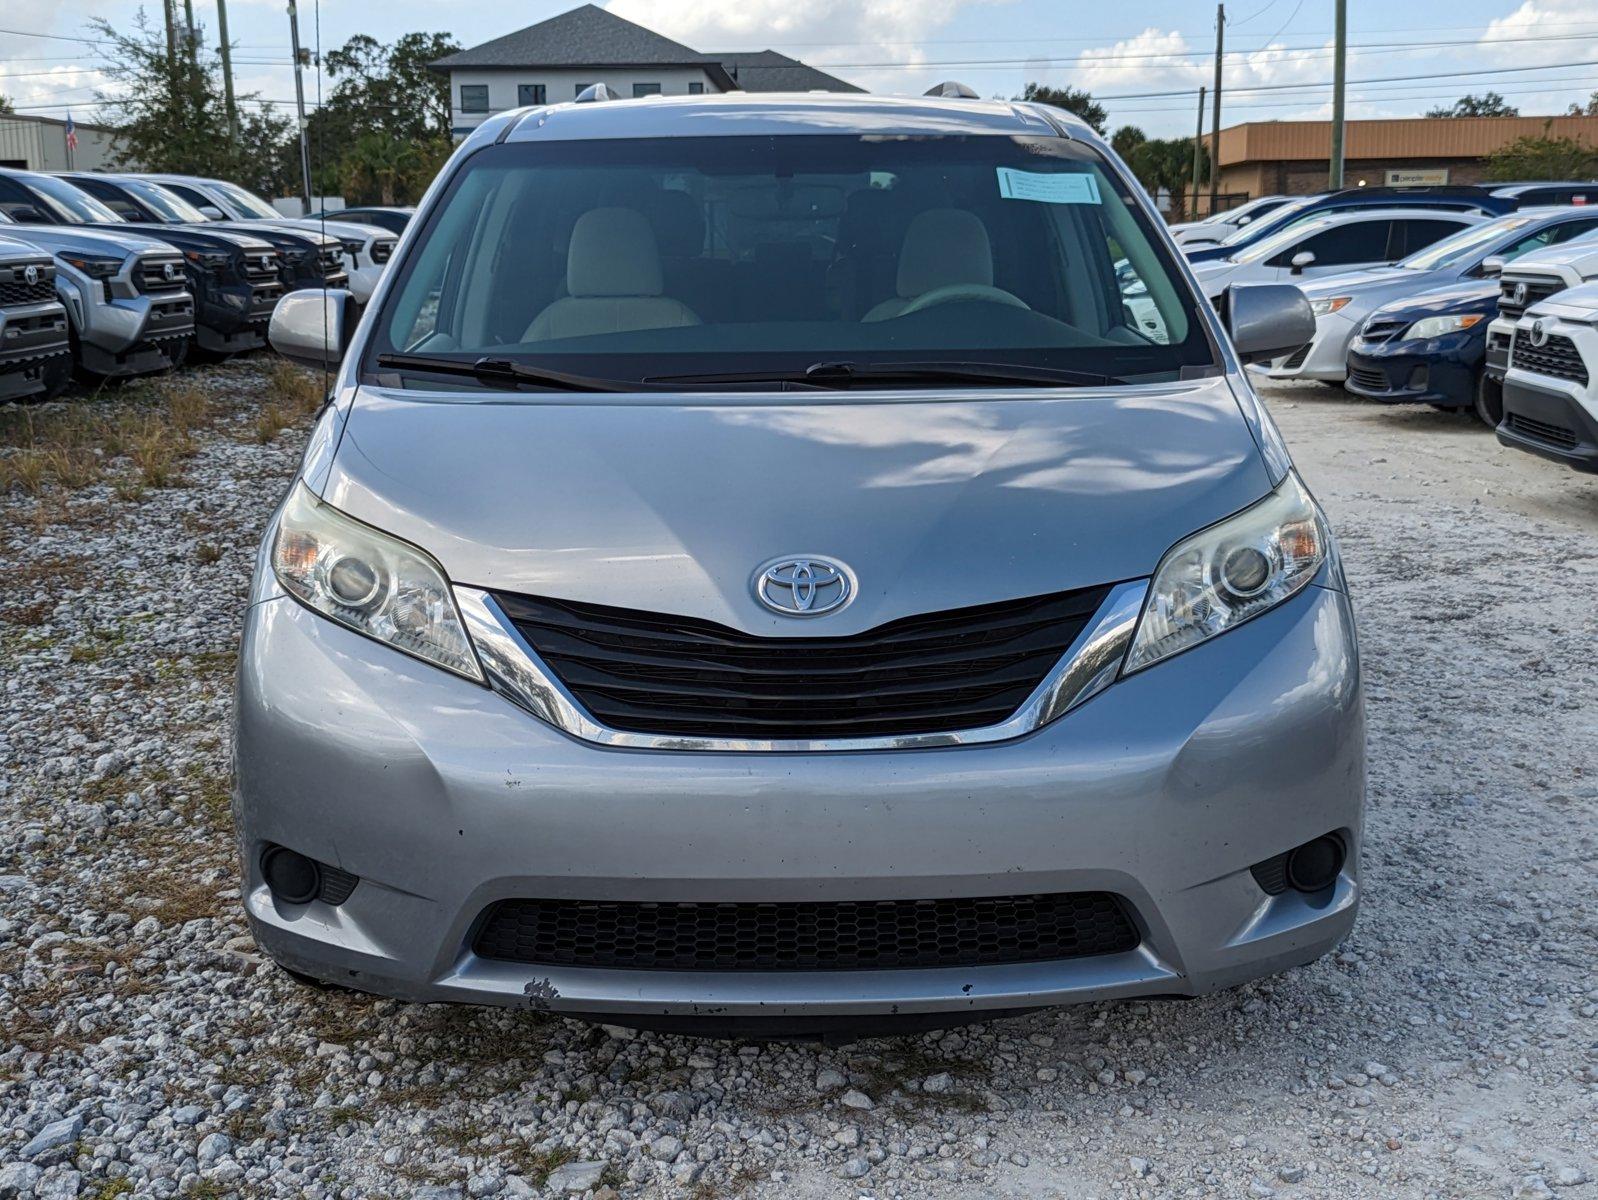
847	374
503	370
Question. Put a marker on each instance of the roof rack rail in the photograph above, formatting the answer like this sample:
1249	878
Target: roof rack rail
951	89
593	92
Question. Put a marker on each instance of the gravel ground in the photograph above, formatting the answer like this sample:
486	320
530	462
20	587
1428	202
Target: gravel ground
1450	1049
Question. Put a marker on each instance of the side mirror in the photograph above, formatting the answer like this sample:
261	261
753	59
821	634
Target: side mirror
1492	266
212	212
1301	260
1267	320
312	326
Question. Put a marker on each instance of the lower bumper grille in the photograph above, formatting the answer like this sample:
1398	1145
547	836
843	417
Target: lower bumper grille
1543	431
1369	378
937	672
1296	359
860	935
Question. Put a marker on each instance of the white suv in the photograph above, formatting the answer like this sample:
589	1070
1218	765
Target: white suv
1531	279
1551	386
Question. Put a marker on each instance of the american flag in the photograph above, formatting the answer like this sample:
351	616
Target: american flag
72	134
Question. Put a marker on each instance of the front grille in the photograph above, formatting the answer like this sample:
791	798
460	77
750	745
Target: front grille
1543	431
163	274
1296	359
1369	378
1381	329
1536	290
15	288
1557	357
261	267
332	261
652	673
850	935
382	252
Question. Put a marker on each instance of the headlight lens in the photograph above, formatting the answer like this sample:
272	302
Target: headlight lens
1430	327
95	266
373	583
352	247
1329	305
1223	575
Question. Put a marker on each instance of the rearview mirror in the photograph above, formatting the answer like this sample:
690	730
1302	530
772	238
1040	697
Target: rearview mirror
1267	320
1302	259
1492	266
312	326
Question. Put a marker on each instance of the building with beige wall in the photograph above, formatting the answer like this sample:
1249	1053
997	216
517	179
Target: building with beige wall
30	143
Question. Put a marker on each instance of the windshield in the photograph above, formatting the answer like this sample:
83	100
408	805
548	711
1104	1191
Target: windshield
162	202
247	202
632	259
69	202
1461	247
1274	219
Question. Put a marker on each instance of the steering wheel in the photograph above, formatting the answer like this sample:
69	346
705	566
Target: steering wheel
950	293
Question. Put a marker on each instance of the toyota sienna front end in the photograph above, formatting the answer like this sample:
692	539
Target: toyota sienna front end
754	566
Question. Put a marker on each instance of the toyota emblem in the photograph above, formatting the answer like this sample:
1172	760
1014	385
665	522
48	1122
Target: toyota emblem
31	273
1519	294
169	271
1539	333
805	586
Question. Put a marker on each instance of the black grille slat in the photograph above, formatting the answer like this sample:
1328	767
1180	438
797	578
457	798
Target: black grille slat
1369	378
934	672
1296	359
1558	357
1381	329
155	275
1535	292
15	288
806	935
1544	431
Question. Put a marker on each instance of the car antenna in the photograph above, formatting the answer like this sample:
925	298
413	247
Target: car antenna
951	89
595	92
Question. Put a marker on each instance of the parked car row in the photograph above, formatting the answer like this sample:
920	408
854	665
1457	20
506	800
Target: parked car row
1457	297
115	276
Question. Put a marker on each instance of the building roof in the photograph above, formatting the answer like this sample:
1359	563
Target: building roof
1408	138
769	71
587	36
590	36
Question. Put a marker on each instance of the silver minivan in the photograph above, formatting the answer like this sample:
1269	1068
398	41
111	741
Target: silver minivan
755	572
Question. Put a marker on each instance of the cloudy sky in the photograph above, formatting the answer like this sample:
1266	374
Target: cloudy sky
1144	60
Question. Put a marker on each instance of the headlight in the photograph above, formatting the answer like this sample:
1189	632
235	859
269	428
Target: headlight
1330	305
1230	572
352	247
373	583
213	261
1430	327
95	266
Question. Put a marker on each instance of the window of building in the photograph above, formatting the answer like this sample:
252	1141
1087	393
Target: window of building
530	93
474	97
696	89
580	88
646	89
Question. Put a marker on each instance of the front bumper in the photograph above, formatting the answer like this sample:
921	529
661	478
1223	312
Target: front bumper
33	348
233	317
1438	371
1500	334
129	335
443	798
1325	357
1547	417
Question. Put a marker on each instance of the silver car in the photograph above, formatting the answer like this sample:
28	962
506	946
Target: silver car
753	573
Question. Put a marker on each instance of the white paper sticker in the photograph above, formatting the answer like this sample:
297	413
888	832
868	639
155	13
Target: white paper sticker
1074	187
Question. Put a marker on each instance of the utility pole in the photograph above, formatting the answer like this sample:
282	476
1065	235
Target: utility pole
171	51
1198	157
190	39
227	73
1339	58
1215	120
299	102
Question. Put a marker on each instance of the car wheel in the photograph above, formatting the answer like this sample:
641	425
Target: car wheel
1489	400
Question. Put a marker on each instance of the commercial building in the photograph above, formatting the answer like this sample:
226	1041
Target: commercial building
30	143
1265	157
556	59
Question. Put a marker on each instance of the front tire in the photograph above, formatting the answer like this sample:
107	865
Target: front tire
1489	400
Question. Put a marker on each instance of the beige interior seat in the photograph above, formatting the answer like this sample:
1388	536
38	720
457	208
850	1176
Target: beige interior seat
613	279
943	247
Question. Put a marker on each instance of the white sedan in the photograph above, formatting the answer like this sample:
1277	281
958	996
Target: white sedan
1212	231
1332	242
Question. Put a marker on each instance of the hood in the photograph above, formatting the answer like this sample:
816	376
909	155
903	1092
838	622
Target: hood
1214	276
1355	282
193	237
15	249
1473	295
1580	256
1579	303
282	235
84	240
670	507
339	229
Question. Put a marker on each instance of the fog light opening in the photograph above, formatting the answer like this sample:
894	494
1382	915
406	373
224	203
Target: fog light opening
1314	866
291	877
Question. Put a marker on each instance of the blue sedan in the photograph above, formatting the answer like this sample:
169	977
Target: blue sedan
1429	349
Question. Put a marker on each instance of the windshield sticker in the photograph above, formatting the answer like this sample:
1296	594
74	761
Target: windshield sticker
1053	188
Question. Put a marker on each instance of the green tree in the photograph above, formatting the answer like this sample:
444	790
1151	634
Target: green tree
1544	157
167	114
1164	163
1589	109
1072	100
1488	104
1126	139
6	105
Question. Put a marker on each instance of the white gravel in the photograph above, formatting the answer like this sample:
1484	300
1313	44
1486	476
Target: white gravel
1447	1051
